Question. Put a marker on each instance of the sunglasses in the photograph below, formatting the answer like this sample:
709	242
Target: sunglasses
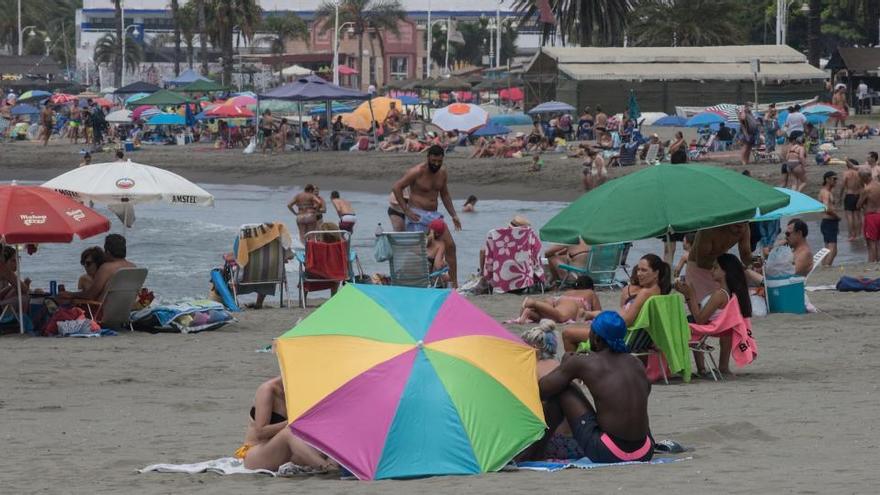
87	263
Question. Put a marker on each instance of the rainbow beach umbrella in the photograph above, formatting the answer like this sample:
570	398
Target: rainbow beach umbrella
398	382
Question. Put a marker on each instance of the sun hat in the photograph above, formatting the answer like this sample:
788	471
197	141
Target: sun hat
520	221
610	326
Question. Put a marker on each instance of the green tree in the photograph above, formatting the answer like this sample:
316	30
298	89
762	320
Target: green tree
475	34
582	22
284	27
226	17
187	21
175	15
685	23
202	9
117	55
108	51
379	15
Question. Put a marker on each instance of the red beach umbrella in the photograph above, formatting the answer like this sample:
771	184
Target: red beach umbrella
33	214
229	111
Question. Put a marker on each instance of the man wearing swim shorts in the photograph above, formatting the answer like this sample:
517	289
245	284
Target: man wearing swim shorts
830	225
427	182
869	201
852	188
617	430
347	217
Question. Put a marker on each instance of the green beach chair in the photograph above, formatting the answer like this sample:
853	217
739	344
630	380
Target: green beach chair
408	264
602	265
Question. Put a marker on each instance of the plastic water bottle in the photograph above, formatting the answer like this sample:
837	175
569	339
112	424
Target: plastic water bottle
379	230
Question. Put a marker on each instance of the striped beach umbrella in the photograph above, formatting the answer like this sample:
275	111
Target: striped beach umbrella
729	111
419	382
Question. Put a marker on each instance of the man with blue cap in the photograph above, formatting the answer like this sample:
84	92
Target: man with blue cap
617	430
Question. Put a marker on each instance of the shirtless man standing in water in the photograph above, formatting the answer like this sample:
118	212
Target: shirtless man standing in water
427	181
852	188
347	217
870	202
708	245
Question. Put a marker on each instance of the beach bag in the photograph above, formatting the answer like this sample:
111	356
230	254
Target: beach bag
852	284
382	249
780	263
251	146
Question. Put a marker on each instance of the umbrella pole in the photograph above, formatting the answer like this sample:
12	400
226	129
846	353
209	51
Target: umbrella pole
18	286
329	105
299	112
373	123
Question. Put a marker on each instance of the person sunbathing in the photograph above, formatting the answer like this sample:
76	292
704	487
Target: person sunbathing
730	275
654	279
412	144
483	148
576	255
394	142
91	259
618	428
571	305
268	442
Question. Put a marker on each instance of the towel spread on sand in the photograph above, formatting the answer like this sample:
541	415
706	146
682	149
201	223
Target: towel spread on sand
253	238
745	349
228	465
552	466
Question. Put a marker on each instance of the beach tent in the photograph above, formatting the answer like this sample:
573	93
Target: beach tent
186	77
137	87
423	383
119	117
663	199
33	215
517	118
336	108
163	97
451	84
313	88
201	86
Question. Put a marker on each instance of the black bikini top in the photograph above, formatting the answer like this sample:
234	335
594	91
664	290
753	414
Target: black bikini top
276	418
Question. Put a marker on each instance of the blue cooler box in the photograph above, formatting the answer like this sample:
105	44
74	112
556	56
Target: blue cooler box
129	146
786	295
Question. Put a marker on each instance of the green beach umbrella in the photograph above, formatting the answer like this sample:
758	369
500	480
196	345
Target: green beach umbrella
162	98
634	112
659	200
201	86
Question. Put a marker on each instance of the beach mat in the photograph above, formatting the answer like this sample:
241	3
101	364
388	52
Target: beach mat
227	466
585	463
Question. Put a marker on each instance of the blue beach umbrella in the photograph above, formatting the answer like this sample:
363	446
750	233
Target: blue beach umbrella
799	204
166	119
24	109
34	95
135	97
491	129
812	118
671	121
704	119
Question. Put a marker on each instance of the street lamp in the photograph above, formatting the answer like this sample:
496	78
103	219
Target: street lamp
782	7
47	41
31	31
338	29
134	32
497	25
444	28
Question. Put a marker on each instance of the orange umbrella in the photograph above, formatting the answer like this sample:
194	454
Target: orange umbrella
356	121
381	107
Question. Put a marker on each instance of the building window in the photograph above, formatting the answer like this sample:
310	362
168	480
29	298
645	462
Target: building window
399	67
372	70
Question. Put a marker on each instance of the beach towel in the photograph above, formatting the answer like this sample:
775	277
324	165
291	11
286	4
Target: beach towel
68	320
664	319
551	466
185	317
745	349
852	284
513	259
327	260
252	238
228	465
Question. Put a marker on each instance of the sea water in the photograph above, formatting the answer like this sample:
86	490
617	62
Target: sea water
181	244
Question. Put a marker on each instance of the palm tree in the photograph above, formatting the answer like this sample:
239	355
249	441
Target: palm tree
187	21
107	51
814	31
582	22
203	34
225	17
685	23
284	27
379	15
175	14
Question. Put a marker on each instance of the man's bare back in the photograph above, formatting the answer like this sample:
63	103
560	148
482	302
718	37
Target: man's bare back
852	184
870	199
342	206
711	243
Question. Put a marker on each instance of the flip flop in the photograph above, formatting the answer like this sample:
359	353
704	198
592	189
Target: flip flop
668	447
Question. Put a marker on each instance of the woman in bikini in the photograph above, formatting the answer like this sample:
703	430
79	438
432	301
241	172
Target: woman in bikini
305	206
595	171
729	274
654	279
566	255
268	442
796	163
571	305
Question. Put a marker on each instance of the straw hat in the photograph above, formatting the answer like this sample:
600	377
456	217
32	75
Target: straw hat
520	221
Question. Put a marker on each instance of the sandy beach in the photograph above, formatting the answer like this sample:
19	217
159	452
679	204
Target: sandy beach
82	415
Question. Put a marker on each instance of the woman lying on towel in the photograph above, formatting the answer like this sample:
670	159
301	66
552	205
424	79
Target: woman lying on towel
654	279
570	306
729	274
269	443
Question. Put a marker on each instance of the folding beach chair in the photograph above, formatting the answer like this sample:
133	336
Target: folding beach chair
661	333
324	265
651	154
513	259
264	268
408	263
602	265
114	308
744	349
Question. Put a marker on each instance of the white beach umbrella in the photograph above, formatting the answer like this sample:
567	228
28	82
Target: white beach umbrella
463	117
119	117
121	185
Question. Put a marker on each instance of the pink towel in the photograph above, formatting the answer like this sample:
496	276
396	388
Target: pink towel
745	349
